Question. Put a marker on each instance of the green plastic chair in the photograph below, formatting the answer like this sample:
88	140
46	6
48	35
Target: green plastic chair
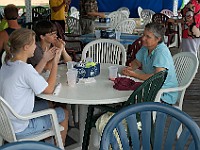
146	92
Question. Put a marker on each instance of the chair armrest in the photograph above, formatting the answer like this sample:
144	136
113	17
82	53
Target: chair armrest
37	114
161	91
54	121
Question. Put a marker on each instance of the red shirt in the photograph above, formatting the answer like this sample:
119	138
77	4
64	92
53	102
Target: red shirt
191	15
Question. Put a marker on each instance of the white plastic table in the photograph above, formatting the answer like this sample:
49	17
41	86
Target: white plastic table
84	94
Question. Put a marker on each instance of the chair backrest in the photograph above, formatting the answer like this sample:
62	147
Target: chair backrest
39	9
3	57
146	15
34	145
116	17
75	14
124	10
139	11
36	16
132	50
6	128
148	90
126	26
186	65
160	18
73	9
151	134
167	12
105	51
73	25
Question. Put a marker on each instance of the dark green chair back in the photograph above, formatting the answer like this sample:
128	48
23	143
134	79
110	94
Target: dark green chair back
148	90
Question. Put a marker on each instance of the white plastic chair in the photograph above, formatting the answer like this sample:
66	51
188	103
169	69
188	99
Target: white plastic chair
73	25
126	26
139	11
3	57
73	9
6	128
167	12
186	65
124	10
105	51
146	16
75	14
116	17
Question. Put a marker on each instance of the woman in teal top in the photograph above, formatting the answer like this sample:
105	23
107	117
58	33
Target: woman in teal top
154	56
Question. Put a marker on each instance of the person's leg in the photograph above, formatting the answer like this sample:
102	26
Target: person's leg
90	26
64	123
198	47
189	45
87	26
38	125
83	25
41	105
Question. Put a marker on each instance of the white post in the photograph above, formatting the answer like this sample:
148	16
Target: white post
28	11
175	8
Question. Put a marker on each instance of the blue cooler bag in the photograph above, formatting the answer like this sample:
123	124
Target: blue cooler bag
88	72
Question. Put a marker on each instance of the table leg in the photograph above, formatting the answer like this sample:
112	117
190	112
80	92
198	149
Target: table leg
82	117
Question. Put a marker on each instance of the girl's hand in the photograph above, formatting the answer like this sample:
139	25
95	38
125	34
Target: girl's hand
58	52
49	54
59	43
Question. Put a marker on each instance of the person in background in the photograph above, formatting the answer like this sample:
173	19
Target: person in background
190	26
3	24
11	15
58	8
154	56
88	13
20	82
46	33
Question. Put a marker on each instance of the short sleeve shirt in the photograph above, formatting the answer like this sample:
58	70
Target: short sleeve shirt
60	14
38	54
19	83
160	57
191	27
88	6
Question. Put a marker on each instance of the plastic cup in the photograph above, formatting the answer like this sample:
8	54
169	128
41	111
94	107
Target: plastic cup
118	34
70	64
72	77
113	70
97	33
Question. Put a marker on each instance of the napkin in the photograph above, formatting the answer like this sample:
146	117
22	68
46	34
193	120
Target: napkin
87	80
57	89
123	83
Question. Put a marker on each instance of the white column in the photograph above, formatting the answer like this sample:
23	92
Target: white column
175	8
28	10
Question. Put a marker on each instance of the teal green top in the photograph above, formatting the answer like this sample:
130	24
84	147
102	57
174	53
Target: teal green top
160	57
